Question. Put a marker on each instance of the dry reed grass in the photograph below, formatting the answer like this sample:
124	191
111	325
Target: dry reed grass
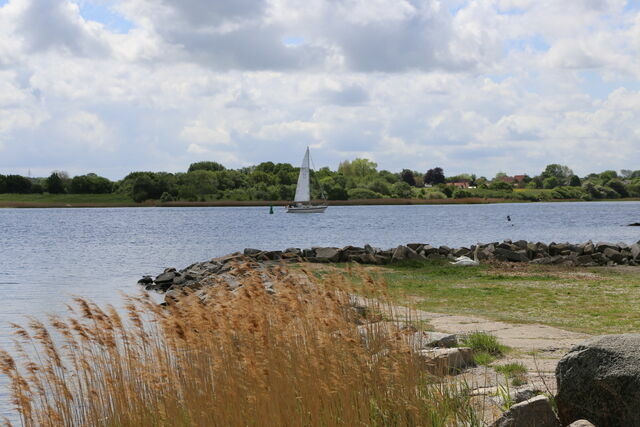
237	358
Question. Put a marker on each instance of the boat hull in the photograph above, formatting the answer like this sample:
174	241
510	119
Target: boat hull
306	209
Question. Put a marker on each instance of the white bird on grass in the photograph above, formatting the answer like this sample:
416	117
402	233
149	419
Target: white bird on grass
465	261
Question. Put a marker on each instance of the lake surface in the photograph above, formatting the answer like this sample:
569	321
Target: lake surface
47	255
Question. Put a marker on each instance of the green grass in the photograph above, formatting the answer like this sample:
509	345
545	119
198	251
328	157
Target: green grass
595	300
66	198
486	347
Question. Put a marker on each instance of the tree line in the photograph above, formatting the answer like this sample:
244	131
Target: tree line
355	179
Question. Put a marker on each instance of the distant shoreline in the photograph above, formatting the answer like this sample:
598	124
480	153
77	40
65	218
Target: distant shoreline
258	203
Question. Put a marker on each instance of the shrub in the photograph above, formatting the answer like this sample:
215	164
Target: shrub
363	193
501	185
434	195
462	194
166	197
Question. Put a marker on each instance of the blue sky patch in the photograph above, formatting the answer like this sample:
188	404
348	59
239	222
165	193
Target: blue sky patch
99	11
3	2
293	41
596	87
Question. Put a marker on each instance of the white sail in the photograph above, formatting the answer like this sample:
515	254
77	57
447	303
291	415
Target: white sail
302	189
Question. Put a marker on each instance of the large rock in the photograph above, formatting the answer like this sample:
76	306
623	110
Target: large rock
599	380
445	361
613	255
402	253
327	254
534	412
510	255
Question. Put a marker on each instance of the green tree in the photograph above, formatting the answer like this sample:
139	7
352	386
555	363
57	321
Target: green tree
434	176
407	176
551	182
18	184
55	185
401	190
562	173
206	166
607	176
617	186
3	184
575	181
381	186
501	186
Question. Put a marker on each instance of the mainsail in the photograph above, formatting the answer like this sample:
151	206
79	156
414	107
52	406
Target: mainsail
302	189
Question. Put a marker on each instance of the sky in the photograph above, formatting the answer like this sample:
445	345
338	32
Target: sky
486	86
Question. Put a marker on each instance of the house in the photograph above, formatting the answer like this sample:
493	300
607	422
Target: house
461	184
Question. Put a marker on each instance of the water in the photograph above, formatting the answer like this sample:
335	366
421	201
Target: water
47	255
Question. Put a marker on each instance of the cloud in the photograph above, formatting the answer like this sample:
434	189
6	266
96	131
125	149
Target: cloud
474	86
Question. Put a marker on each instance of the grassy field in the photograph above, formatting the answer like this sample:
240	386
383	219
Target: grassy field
591	300
60	200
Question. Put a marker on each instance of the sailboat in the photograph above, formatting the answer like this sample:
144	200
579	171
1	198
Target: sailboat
302	201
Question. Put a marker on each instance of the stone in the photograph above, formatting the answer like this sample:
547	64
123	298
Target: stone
327	254
581	423
461	252
588	248
521	244
415	246
601	246
599	380
548	260
370	249
525	394
536	412
635	251
585	261
165	277
428	250
402	253
444	250
424	339
295	251
613	254
509	255
446	361
146	280
251	251
273	255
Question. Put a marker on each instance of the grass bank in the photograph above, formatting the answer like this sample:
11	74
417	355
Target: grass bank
591	300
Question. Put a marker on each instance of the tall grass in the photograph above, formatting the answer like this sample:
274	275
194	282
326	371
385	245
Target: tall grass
217	357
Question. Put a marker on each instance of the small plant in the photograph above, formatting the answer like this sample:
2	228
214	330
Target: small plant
515	371
486	347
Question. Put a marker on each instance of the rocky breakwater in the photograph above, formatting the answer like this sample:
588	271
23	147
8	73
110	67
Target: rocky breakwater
227	268
584	254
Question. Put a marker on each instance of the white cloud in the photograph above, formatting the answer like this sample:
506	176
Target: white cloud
486	86
86	130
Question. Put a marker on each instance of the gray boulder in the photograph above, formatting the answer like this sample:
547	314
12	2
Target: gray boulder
599	380
402	253
613	255
534	412
635	251
327	254
509	255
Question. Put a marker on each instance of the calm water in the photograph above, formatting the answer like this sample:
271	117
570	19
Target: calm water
46	255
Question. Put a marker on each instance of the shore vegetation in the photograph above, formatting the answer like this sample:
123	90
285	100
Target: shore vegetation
356	180
223	358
